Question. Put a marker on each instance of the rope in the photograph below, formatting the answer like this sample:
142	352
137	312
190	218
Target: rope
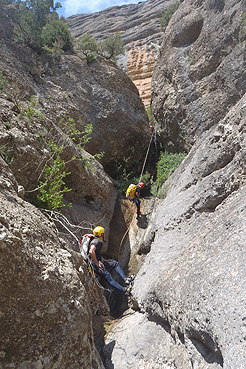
147	153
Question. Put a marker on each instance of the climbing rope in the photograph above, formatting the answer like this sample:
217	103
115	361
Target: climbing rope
147	153
153	136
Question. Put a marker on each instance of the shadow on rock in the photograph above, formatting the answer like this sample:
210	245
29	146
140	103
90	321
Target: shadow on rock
108	349
117	301
142	222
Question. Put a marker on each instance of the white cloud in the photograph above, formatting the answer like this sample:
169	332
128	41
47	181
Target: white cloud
71	7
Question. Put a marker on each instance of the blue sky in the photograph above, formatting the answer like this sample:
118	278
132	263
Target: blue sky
71	7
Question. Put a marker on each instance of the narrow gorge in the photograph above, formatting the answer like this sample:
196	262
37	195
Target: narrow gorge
187	306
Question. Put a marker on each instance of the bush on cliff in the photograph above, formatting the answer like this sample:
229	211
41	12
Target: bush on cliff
38	25
167	15
166	165
87	45
112	46
109	49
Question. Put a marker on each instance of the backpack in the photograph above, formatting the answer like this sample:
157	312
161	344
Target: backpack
85	245
130	192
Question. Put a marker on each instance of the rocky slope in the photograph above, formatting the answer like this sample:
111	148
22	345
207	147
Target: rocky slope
139	26
188	305
52	310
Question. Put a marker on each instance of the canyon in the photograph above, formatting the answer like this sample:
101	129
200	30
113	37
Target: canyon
187	307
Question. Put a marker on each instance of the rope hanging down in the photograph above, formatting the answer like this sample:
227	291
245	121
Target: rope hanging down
147	153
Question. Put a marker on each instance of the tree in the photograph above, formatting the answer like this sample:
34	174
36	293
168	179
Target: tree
30	17
112	46
87	45
56	31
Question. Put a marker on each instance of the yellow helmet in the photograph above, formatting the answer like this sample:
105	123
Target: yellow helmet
98	231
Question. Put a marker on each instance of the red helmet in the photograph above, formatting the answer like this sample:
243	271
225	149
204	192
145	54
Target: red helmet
141	184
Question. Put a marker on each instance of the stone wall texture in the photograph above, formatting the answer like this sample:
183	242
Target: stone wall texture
139	26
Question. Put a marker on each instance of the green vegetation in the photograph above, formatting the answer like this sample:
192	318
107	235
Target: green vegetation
56	33
38	25
52	186
87	45
166	165
6	153
80	138
109	49
112	46
167	15
30	110
242	31
148	110
3	82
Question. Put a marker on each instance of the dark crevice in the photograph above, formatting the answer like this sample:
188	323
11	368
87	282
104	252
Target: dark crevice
145	246
206	346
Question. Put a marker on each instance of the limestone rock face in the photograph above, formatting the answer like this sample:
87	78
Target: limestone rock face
189	296
57	92
100	94
200	74
139	26
46	320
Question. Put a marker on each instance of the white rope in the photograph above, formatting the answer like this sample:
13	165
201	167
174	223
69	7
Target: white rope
145	159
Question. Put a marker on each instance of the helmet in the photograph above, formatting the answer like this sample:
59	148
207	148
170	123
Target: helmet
141	184
98	231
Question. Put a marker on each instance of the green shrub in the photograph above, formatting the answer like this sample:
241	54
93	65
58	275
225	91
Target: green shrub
112	46
7	153
167	164
56	32
29	109
3	82
38	25
109	49
52	186
167	15
148	111
87	45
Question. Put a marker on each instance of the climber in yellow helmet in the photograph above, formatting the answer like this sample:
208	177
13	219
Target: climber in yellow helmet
102	266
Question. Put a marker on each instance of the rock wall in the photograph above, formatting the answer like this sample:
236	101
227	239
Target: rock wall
100	94
46	314
188	297
187	309
199	76
139	26
52	309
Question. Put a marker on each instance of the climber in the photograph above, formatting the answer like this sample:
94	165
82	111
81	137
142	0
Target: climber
101	266
151	128
132	193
